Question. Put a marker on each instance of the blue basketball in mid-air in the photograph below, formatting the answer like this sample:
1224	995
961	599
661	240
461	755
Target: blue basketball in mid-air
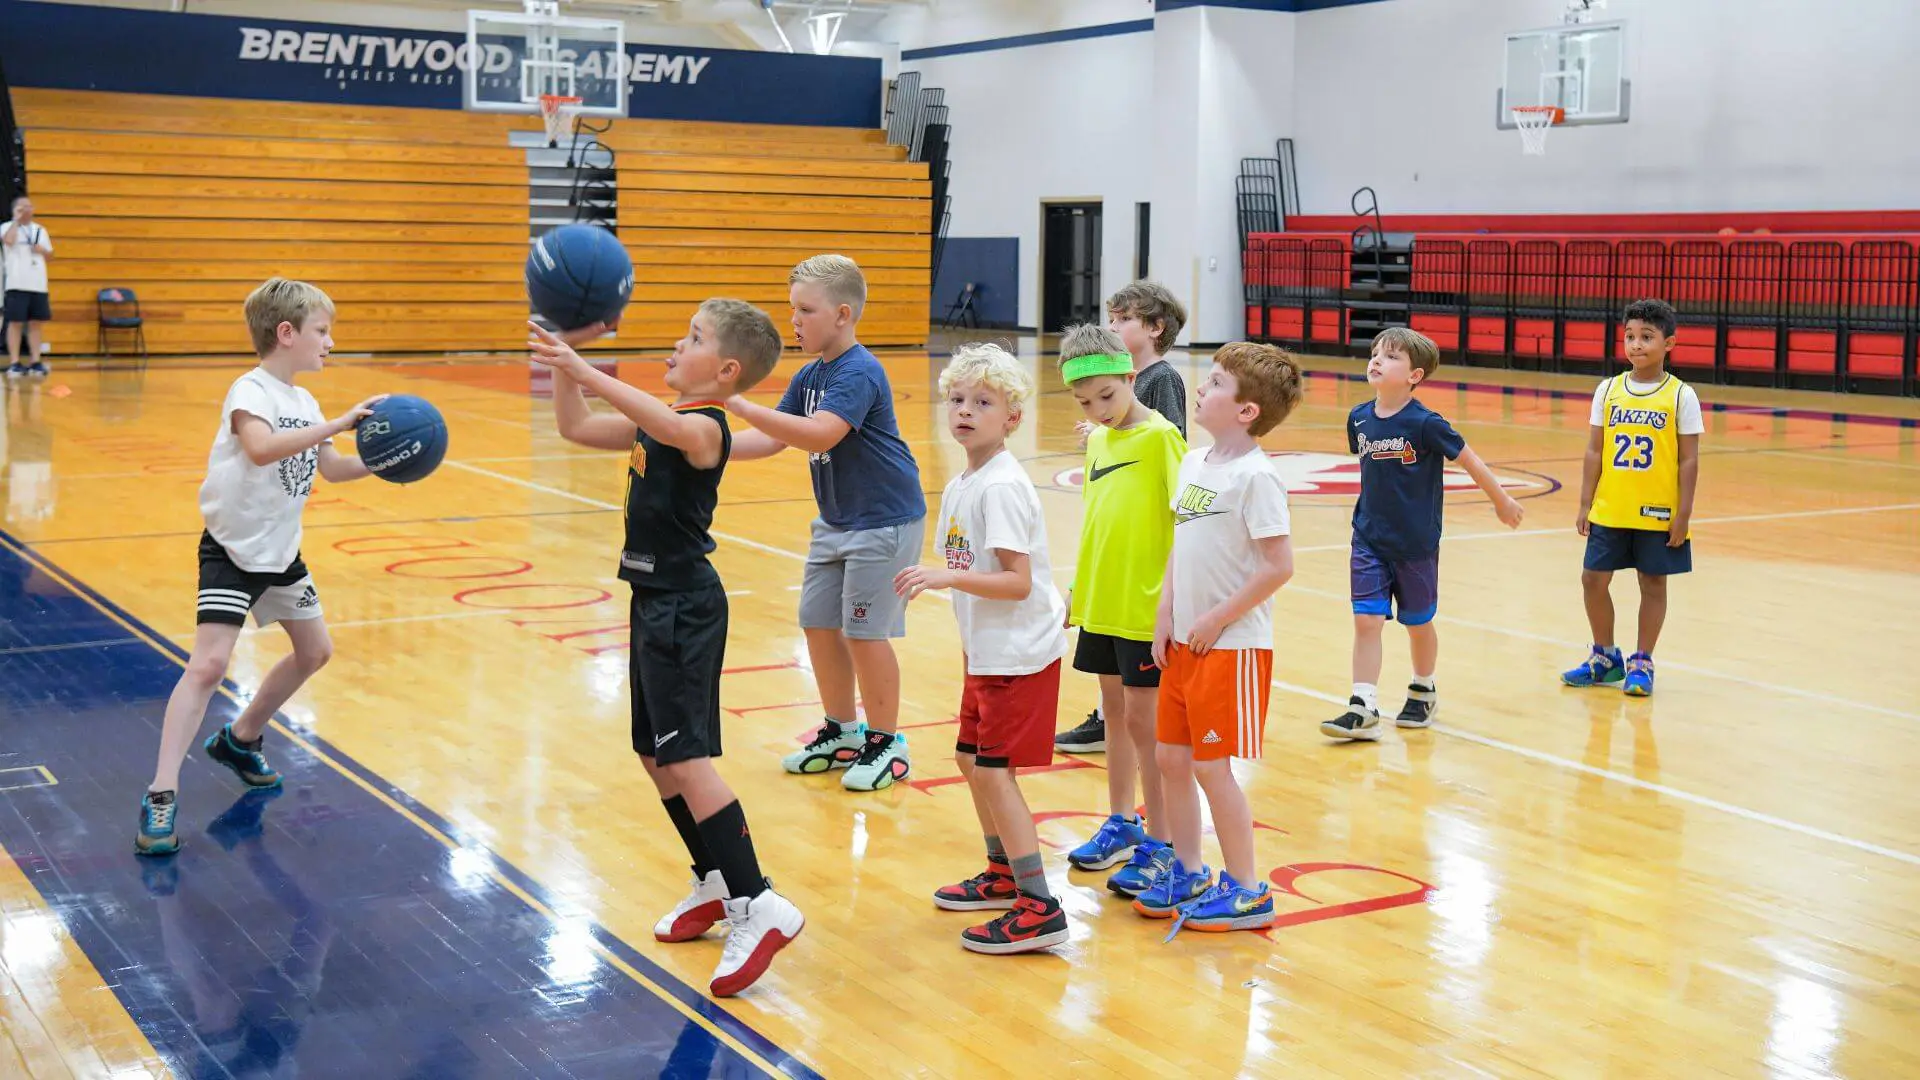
403	440
578	275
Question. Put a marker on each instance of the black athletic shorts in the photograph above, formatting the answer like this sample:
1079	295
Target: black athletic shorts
227	592
679	647
23	306
1102	654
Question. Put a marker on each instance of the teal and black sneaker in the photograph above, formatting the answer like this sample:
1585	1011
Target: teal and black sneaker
834	746
247	762
1602	667
156	825
1639	681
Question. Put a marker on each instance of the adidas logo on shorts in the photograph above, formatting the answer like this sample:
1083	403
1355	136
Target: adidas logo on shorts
1212	736
308	599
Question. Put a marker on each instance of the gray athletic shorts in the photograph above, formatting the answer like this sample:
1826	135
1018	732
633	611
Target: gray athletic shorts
848	585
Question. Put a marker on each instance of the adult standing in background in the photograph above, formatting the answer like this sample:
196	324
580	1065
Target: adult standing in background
27	247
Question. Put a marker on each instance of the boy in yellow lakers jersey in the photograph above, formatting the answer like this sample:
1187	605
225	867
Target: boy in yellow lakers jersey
1636	495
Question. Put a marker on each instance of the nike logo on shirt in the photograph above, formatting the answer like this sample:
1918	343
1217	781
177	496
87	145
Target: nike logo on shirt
1097	472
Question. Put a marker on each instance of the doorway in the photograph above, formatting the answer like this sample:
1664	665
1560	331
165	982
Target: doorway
1069	265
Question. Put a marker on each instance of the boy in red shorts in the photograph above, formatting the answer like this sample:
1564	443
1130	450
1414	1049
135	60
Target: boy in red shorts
1013	631
1214	638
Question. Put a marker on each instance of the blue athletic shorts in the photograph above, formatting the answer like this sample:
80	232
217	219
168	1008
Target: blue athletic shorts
1409	586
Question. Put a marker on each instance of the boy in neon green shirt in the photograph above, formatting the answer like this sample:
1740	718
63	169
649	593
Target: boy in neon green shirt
1132	471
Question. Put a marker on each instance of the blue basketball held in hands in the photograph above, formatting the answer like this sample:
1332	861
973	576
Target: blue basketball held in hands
578	275
404	440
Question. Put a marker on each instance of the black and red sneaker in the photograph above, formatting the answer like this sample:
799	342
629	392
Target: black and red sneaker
1034	923
991	888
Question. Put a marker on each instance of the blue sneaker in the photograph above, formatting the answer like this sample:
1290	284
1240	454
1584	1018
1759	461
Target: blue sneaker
156	825
1114	842
1602	667
1229	905
1639	681
1171	889
1151	858
249	764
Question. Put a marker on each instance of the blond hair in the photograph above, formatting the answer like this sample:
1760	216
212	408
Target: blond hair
1420	350
1151	302
745	333
1089	339
838	276
991	366
279	300
1268	376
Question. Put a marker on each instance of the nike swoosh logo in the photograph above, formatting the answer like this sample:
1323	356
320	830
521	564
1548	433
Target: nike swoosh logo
1097	472
1184	518
1244	904
1148	667
662	740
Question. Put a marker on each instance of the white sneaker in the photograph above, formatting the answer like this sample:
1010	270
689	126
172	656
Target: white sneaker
759	926
693	916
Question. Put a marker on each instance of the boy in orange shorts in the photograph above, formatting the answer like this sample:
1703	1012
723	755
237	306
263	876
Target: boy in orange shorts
1214	637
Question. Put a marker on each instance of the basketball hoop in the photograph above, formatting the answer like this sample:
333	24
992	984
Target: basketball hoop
1533	122
555	111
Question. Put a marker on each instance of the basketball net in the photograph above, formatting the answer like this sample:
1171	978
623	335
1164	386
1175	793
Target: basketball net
555	111
1534	121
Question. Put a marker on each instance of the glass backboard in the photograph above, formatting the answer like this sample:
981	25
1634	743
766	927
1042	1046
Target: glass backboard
1579	68
514	58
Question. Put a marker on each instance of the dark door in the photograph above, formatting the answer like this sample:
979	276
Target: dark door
1070	274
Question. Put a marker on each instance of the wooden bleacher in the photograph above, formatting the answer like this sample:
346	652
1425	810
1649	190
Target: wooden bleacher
415	220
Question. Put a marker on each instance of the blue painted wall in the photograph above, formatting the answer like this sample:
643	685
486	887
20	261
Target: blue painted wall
992	262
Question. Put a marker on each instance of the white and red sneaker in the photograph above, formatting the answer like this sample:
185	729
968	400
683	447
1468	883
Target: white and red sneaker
759	926
695	915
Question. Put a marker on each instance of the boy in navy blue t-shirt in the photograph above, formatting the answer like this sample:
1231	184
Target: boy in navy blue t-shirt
1404	448
839	409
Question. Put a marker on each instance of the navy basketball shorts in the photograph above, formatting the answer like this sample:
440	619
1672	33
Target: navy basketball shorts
1645	550
1408	587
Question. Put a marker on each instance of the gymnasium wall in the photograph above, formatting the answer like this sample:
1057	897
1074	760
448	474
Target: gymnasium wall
1756	105
1759	105
1069	120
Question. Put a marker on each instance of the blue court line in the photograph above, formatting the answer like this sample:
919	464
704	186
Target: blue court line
56	846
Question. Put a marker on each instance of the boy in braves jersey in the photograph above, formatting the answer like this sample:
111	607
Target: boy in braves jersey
1404	447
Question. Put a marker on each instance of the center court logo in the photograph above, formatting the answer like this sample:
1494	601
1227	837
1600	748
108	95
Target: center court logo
1307	472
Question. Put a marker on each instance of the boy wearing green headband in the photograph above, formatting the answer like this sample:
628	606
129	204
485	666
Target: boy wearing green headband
1132	468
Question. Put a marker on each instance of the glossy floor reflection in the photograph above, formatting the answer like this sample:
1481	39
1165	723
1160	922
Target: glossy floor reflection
307	930
462	875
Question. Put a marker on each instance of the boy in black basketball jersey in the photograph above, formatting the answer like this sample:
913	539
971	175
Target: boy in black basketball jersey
679	612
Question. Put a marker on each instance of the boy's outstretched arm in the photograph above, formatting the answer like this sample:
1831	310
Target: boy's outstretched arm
1506	506
695	436
815	434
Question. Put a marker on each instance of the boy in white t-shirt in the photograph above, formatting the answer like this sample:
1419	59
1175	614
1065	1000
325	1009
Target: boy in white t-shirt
1013	631
272	439
1214	638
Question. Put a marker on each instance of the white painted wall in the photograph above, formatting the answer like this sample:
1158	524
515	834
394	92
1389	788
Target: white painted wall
1754	105
1063	121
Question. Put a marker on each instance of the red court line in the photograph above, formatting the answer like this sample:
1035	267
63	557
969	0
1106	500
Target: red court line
1068	765
790	664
